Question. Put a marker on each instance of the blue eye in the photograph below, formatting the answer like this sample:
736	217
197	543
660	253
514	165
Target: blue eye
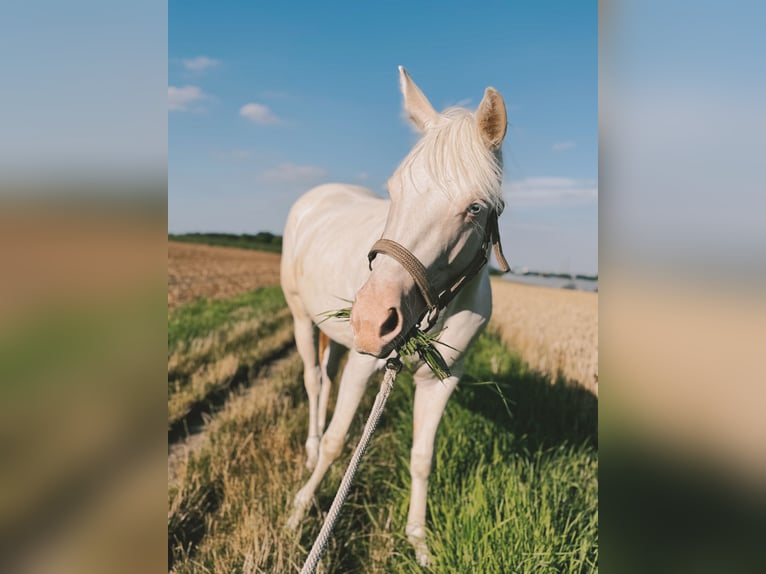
474	208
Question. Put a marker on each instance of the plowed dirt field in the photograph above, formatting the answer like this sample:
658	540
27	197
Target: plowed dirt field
216	272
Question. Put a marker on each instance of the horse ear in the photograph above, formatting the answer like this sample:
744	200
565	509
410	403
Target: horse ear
492	118
419	110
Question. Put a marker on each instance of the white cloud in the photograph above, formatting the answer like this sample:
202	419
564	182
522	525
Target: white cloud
563	146
258	113
550	191
200	63
183	99
290	173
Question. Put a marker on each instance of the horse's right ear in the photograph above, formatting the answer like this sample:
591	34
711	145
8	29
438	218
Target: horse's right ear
419	110
492	118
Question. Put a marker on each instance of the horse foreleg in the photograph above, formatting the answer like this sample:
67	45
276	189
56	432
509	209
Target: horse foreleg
431	397
329	353
352	386
305	341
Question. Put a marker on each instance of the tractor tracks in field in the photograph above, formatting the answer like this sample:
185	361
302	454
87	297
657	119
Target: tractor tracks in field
245	375
188	435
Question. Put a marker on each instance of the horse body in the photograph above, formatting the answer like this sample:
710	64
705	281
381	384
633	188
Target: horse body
442	198
322	271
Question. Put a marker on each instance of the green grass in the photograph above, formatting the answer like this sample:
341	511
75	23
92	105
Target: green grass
204	316
262	241
507	493
521	487
513	489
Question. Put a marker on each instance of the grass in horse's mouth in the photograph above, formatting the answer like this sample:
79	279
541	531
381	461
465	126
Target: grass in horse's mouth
342	314
416	342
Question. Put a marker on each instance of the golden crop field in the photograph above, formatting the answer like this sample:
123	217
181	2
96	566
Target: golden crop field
554	330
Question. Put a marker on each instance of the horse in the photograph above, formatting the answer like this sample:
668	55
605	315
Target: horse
416	259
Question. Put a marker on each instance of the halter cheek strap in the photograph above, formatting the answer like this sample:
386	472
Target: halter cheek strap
436	301
411	263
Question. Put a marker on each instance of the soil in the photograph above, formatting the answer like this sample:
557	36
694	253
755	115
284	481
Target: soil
216	272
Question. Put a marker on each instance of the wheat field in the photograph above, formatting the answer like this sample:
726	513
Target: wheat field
554	330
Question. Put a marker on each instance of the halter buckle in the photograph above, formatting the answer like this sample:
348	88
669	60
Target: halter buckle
429	318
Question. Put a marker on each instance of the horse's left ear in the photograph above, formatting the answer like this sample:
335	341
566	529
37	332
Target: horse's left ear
492	119
419	110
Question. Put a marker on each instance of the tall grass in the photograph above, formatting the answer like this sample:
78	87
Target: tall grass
513	487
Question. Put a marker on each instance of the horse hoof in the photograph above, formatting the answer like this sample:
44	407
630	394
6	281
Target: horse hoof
300	503
295	520
422	555
416	537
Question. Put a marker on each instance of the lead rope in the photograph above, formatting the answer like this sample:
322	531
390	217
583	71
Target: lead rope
393	366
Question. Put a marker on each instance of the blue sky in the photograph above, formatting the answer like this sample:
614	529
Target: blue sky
265	102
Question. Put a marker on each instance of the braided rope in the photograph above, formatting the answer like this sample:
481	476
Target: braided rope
393	366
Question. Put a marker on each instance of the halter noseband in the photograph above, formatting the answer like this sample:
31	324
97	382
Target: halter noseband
436	301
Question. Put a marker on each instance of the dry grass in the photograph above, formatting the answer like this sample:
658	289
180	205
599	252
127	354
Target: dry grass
206	377
216	272
554	330
247	332
228	503
203	381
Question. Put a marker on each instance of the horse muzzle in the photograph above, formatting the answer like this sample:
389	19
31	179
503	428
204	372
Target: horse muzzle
376	319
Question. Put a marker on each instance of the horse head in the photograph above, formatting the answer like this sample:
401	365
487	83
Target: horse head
445	199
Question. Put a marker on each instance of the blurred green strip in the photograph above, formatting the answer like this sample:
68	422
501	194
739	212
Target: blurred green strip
44	349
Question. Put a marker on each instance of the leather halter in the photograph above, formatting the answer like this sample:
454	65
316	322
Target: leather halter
436	301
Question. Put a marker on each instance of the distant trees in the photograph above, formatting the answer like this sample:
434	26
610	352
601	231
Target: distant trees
263	240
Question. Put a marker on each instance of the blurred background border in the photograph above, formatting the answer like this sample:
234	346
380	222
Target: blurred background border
83	196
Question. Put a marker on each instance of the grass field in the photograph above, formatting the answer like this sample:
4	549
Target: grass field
514	486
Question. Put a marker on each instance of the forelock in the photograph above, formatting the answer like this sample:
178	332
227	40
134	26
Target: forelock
456	160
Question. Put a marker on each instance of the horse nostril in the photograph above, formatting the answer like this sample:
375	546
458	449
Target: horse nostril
391	323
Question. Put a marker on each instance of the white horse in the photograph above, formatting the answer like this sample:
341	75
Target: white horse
445	199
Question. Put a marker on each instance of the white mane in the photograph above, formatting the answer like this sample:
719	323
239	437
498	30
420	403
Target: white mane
456	159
